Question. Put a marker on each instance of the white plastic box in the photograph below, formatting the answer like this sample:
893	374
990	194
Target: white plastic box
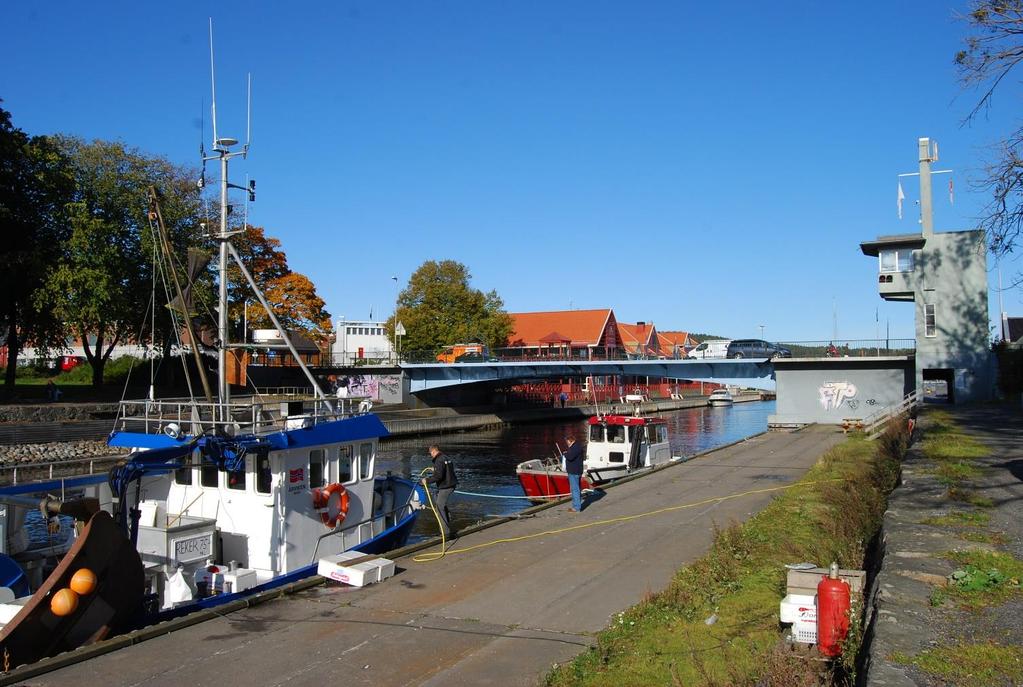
801	611
358	575
796	606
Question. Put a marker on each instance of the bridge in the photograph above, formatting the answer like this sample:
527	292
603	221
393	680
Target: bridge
757	373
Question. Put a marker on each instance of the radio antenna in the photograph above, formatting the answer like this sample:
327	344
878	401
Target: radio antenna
213	86
248	116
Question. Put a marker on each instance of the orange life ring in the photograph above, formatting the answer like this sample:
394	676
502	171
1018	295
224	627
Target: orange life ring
331	515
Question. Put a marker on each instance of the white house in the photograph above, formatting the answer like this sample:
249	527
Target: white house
361	339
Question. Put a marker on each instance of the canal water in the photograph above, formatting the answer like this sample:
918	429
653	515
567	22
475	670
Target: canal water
485	460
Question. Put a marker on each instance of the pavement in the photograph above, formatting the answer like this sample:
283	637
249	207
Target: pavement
905	622
500	614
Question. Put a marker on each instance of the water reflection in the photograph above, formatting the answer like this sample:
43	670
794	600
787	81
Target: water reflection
486	460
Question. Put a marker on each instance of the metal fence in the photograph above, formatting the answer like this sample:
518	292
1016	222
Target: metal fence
835	348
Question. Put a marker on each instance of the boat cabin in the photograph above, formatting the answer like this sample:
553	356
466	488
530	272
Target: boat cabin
623	443
304	489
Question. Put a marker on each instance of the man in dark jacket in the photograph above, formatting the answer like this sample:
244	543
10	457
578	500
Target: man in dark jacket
574	467
444	477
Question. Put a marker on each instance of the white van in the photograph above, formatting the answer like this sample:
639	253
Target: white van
710	349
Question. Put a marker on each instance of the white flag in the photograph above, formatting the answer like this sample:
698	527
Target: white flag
901	197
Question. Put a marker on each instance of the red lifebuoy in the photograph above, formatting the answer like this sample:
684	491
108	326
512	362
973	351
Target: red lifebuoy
332	511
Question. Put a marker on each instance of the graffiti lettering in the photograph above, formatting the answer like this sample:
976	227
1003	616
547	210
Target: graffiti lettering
833	394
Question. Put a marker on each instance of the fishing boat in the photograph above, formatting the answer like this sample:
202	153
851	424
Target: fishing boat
617	446
219	497
720	397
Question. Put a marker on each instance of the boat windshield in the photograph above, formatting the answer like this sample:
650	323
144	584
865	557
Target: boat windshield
597	433
616	434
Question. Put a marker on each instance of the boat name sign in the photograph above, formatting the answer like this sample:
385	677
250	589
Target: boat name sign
193	548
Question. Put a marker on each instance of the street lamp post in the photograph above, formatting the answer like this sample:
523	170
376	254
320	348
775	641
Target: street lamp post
762	330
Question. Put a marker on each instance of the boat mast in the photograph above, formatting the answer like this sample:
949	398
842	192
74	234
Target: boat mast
222	152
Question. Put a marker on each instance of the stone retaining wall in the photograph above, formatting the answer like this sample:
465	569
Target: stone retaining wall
57	412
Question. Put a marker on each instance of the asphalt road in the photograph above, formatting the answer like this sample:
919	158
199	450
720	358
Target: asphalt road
496	615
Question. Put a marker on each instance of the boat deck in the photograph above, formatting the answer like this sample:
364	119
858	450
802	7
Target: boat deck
495	615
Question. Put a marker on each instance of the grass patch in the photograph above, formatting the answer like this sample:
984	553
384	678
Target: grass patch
953	472
831	514
971	497
995	538
944	441
958	518
970	665
984	578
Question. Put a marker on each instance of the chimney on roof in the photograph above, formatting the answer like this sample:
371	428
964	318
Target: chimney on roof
641	324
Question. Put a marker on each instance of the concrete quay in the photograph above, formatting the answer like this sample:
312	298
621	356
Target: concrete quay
902	619
490	612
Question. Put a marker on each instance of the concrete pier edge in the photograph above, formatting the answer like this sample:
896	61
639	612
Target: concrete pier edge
160	629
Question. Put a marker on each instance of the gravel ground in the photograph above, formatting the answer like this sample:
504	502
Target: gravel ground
913	566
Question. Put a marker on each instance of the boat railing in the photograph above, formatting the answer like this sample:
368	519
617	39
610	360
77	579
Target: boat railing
244	415
397	514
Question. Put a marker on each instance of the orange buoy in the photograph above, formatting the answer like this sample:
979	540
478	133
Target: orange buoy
84	582
64	602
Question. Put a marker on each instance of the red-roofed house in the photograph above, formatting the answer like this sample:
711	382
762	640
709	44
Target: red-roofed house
675	345
584	334
640	339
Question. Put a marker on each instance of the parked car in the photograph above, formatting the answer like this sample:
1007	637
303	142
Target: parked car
756	348
66	363
710	349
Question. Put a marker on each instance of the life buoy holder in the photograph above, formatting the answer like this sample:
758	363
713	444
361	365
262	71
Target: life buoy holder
332	511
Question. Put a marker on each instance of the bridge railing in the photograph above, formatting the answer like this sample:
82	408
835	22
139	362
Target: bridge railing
835	348
851	348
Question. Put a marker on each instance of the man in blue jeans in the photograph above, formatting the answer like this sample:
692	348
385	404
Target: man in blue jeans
574	467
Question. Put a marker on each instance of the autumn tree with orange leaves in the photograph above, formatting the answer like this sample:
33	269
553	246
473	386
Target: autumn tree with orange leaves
291	295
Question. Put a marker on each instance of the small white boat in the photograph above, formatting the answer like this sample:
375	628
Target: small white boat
720	397
617	446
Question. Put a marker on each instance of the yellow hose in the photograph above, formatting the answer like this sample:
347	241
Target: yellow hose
440	526
437	555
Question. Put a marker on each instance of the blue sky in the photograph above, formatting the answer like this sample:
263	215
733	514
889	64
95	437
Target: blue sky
705	169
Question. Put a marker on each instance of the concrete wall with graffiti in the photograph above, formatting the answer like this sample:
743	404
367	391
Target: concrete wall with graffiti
379	388
829	391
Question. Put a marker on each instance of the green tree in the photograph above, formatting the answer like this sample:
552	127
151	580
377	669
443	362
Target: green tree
102	284
439	307
34	183
994	47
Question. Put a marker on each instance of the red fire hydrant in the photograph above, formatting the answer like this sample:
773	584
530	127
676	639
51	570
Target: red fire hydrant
832	613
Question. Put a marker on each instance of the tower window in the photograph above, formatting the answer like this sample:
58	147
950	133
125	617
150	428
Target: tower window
900	260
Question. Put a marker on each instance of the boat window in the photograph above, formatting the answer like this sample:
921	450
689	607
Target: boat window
616	434
264	476
596	433
635	432
662	434
184	475
208	475
615	457
317	468
365	460
236	479
345	465
651	434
